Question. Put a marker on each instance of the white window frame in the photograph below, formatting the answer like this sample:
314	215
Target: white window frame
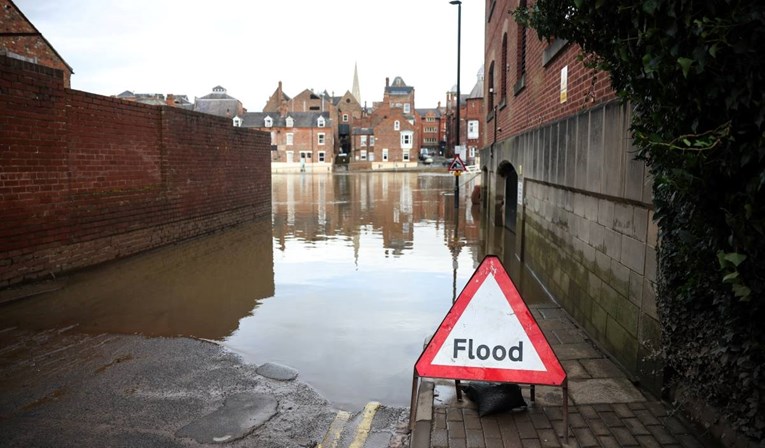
273	137
363	154
290	139
290	122
472	129
320	122
322	138
407	139
237	122
362	140
396	125
385	154
405	155
371	140
269	122
305	155
322	157
345	118
407	108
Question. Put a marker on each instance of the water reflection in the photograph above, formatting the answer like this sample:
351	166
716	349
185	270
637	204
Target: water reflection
199	288
365	267
344	283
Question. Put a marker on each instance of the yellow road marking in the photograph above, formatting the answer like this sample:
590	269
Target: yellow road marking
334	430
362	432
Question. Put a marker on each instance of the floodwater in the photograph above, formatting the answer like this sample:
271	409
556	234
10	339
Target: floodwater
344	283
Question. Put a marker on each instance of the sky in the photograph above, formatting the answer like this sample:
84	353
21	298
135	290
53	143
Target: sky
188	47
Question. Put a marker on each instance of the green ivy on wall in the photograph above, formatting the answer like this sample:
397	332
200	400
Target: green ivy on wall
693	73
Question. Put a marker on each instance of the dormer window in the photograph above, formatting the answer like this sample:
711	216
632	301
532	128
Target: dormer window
237	122
321	122
396	125
269	122
407	108
290	122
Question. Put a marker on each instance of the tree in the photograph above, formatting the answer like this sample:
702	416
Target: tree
693	74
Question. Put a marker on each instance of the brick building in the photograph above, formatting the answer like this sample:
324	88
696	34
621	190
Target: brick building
472	125
564	191
429	129
301	141
20	39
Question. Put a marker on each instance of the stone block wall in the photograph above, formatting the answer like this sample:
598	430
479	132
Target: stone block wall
586	229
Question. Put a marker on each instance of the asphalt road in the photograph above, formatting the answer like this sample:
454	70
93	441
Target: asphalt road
65	389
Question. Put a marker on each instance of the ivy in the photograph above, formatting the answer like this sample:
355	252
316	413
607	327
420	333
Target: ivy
693	74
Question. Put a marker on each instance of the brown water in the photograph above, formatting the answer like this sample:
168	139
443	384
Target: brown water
344	282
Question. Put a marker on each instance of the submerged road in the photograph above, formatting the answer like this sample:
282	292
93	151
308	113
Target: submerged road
60	388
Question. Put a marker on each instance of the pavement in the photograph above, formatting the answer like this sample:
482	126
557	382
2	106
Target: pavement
605	409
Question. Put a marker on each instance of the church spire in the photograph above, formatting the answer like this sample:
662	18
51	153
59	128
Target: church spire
356	92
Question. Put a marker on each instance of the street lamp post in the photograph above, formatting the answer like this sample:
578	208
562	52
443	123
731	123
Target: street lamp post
457	130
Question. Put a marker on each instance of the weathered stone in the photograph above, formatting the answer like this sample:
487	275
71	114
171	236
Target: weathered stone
277	372
620	278
640	224
605	212
612	242
606	390
595	156
240	415
622	344
633	254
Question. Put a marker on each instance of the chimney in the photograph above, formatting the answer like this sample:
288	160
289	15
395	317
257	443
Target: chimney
387	82
170	99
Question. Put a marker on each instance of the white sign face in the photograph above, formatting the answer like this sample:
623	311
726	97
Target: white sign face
564	84
489	334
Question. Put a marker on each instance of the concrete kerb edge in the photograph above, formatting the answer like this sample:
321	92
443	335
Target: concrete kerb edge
424	419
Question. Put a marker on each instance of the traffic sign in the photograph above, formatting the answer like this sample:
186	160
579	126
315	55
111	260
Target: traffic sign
457	164
489	334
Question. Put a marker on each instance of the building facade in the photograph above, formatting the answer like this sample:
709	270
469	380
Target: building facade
562	187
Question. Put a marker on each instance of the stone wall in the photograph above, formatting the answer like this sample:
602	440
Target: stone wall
584	227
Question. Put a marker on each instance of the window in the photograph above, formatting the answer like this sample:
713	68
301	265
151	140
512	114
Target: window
385	154
472	129
363	140
322	138
430	119
396	125
363	154
290	122
505	68
305	155
345	118
431	129
405	155
269	122
371	140
322	157
321	122
273	137
406	139
490	103
407	108
237	122
290	138
520	69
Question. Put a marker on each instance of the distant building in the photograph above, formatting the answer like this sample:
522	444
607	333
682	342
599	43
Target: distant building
19	39
301	141
219	103
157	99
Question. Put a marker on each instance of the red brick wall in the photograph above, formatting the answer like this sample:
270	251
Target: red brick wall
86	178
539	102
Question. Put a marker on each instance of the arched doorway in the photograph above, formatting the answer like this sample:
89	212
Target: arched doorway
506	172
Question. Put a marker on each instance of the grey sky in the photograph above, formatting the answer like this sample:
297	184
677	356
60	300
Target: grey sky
189	46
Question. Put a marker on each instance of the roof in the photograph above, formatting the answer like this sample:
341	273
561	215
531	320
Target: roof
301	119
37	33
398	87
435	111
220	107
363	131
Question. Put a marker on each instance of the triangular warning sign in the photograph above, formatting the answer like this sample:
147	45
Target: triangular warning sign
457	164
489	334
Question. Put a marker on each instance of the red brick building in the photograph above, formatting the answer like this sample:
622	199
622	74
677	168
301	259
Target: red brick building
19	39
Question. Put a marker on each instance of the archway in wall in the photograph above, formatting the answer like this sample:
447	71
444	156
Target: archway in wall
507	175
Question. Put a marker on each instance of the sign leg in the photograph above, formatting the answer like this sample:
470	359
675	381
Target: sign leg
565	411
458	390
532	394
413	404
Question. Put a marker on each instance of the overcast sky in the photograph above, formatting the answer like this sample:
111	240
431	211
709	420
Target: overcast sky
248	46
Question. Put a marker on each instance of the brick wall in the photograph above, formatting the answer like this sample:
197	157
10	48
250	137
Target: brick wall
86	178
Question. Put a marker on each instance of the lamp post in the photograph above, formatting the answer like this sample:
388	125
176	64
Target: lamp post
457	121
